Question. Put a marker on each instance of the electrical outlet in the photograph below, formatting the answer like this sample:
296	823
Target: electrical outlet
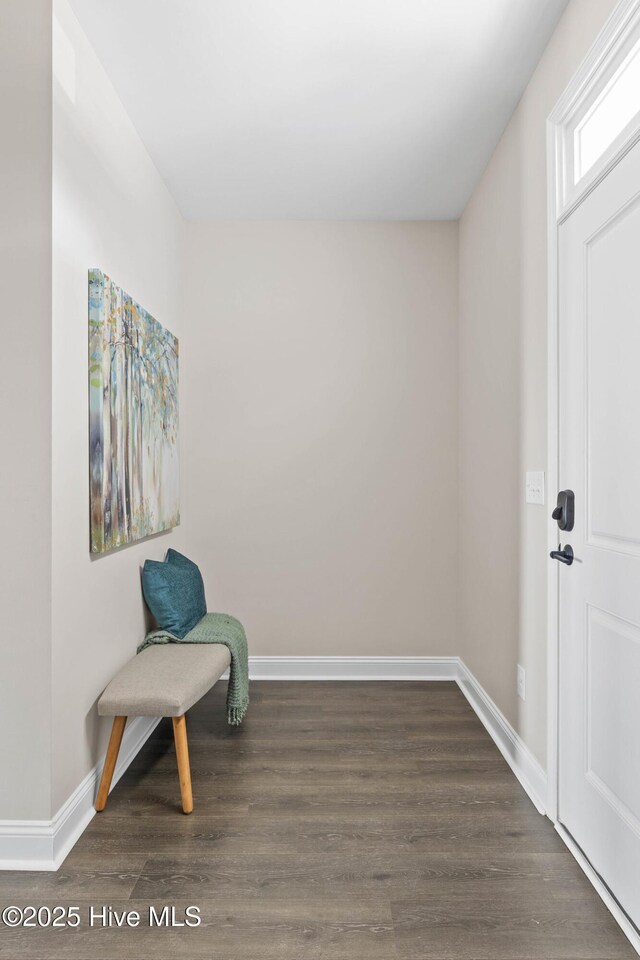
521	683
535	486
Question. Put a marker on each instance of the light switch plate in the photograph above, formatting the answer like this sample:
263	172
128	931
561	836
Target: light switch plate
535	486
521	683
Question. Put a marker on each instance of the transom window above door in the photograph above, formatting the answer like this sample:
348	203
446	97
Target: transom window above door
597	123
614	110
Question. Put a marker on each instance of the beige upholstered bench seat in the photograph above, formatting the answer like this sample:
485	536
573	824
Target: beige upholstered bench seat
162	681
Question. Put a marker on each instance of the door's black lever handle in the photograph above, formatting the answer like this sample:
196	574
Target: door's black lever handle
563	555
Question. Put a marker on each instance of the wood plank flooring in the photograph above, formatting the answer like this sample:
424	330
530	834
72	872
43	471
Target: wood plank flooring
342	821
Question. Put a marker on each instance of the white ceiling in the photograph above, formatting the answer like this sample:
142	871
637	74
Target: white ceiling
320	109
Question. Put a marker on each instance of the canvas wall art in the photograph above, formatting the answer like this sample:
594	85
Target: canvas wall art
133	419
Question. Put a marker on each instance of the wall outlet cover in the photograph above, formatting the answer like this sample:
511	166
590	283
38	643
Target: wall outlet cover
535	486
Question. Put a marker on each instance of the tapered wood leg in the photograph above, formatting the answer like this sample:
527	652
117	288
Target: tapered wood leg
110	763
184	770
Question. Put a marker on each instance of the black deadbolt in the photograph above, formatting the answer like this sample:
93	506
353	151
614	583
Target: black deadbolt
565	510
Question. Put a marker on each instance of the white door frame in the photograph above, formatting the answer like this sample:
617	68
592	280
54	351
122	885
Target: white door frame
592	77
620	31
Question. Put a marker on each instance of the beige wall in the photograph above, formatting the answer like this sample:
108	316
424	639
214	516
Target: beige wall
503	393
110	210
25	401
321	448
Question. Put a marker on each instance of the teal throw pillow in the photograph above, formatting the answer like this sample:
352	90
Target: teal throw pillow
174	592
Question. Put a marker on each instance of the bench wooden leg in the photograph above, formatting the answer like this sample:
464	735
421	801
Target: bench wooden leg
182	754
110	763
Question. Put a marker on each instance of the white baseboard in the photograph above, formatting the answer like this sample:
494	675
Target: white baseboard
522	762
619	915
353	668
44	844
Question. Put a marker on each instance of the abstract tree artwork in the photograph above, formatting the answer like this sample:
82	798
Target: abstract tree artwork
133	419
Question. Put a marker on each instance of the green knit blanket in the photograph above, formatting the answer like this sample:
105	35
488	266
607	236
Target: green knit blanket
218	628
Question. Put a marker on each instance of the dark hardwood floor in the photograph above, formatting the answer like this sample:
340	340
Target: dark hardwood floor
342	821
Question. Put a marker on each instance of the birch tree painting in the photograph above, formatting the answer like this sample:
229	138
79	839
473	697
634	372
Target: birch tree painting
133	419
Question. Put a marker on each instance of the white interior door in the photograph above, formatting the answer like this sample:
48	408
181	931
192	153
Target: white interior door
599	459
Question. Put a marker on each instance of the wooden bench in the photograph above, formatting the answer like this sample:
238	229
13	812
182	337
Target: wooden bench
162	681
